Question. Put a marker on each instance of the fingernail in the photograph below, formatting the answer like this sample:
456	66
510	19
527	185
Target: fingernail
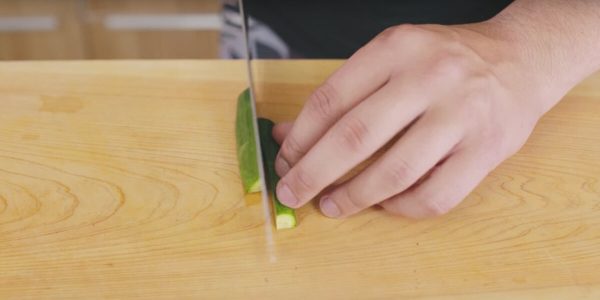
286	196
281	166
329	208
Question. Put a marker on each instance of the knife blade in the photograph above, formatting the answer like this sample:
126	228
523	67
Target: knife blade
261	170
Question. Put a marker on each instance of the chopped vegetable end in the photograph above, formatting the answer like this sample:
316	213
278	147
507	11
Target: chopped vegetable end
285	221
255	187
285	217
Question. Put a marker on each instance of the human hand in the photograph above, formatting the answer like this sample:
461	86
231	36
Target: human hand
467	101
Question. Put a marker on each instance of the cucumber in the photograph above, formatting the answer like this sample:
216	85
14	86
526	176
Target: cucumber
246	144
285	217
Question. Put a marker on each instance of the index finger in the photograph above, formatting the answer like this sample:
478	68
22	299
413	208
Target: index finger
360	76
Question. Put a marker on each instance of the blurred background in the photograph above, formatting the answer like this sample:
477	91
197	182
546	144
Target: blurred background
109	29
206	29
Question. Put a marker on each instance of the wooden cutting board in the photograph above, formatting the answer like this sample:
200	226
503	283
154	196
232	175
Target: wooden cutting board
119	180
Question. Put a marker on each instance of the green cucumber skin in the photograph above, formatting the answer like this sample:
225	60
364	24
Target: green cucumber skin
270	148
246	144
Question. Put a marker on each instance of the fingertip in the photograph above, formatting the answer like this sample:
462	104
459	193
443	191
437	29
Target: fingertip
329	208
285	195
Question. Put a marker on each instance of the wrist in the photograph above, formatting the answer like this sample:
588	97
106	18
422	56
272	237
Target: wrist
536	64
517	63
555	42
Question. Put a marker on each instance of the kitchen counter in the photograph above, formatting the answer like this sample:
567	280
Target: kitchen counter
119	179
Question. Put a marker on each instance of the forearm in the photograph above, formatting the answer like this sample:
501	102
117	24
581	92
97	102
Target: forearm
557	38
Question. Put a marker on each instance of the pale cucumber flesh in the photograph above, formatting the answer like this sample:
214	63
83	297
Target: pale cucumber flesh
246	144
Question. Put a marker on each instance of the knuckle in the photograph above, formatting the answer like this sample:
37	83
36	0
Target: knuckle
352	201
353	134
398	33
323	101
450	65
303	184
291	149
399	174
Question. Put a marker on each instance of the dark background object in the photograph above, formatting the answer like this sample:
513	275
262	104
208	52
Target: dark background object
336	29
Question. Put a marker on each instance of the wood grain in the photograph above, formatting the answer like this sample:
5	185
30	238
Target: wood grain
119	180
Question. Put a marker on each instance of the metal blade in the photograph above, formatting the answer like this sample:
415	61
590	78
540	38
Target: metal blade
248	52
259	159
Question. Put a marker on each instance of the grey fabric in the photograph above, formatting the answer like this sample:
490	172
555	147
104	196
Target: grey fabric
264	42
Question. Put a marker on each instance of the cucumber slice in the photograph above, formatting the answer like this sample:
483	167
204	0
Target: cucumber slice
246	145
285	217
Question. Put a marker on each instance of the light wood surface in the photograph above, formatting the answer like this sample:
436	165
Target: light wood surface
119	180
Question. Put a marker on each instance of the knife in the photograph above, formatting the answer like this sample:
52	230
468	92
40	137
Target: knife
259	158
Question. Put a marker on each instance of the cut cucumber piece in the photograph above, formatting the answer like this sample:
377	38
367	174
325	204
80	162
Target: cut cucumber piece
246	145
285	217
